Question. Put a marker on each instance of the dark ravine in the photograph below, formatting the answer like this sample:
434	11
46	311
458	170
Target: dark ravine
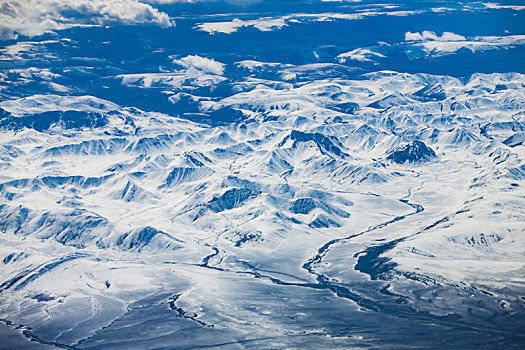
207	258
182	314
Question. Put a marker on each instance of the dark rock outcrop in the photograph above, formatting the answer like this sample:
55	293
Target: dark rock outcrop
416	151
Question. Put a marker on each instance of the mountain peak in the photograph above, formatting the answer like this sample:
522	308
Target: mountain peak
416	151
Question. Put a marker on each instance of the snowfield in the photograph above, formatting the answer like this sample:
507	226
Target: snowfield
142	204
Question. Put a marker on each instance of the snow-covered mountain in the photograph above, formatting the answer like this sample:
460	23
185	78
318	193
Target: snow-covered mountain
350	197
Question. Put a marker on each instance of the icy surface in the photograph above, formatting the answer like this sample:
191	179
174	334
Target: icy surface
252	178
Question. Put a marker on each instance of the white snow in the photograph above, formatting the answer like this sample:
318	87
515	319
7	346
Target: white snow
140	205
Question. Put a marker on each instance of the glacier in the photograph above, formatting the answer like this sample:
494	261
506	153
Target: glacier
263	175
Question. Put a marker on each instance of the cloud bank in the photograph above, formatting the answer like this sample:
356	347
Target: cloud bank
35	17
200	64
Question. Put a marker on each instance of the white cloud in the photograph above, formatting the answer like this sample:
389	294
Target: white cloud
200	64
35	17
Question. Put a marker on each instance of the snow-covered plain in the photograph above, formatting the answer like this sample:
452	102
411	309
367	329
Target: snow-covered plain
310	204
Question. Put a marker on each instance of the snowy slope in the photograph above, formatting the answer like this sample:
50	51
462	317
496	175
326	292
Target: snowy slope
172	194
